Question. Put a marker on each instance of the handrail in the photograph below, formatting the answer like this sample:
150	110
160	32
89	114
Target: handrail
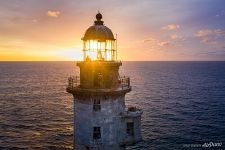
133	111
74	81
124	82
131	108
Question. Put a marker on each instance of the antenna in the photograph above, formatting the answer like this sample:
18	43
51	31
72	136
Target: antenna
116	46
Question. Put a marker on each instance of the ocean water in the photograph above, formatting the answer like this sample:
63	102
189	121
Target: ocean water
183	104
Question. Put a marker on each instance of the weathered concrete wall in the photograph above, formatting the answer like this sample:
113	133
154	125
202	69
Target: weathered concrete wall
112	118
108	118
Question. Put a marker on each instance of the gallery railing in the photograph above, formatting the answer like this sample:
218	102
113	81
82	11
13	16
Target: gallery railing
74	81
124	82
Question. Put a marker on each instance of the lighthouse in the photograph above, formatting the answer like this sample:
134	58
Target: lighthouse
102	121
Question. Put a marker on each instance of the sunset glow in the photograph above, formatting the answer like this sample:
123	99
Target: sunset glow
33	30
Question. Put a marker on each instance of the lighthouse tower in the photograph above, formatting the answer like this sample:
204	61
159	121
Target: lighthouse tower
101	119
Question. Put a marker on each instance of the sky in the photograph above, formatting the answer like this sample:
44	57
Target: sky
147	30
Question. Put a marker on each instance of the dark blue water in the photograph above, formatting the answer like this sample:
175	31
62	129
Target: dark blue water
183	104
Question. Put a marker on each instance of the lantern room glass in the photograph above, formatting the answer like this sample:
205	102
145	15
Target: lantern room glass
103	50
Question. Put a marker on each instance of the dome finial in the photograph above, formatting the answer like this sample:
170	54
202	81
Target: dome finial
99	17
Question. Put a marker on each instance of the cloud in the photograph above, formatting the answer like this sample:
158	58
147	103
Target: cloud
219	52
171	27
163	43
10	46
53	14
210	36
221	13
150	40
175	37
155	42
219	32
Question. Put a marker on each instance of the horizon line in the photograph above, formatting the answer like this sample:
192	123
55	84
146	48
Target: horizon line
117	60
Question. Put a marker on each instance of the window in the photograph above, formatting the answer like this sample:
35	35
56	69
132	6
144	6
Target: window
97	105
98	79
130	128
106	49
96	133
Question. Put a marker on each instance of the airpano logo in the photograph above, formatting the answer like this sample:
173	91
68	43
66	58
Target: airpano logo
212	144
204	145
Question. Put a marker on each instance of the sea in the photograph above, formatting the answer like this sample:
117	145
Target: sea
183	104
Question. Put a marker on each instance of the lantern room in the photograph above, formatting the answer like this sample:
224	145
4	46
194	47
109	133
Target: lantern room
99	42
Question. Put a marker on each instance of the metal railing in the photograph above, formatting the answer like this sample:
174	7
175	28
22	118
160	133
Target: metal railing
131	108
124	82
133	111
73	81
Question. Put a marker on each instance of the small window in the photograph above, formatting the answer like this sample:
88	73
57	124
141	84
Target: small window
96	133
98	79
97	105
130	128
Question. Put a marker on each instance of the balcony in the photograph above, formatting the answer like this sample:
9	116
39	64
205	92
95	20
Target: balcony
73	81
123	82
133	111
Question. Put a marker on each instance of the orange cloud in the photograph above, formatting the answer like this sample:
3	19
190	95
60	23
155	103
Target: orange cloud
174	36
177	37
210	36
163	43
171	27
156	42
150	40
53	14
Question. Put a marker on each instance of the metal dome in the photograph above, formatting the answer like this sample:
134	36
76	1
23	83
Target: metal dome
98	31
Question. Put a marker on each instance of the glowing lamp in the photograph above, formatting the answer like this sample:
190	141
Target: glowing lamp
99	42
